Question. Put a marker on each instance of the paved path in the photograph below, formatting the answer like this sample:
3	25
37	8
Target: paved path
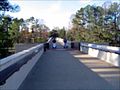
59	70
105	70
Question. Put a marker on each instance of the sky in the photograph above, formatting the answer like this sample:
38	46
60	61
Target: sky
54	13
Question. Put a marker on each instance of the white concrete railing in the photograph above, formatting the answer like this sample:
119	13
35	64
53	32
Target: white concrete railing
14	81
107	53
60	40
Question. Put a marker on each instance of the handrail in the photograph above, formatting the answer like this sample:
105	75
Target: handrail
101	48
13	63
49	39
47	45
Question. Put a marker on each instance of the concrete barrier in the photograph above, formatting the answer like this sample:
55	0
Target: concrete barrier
60	40
19	59
107	53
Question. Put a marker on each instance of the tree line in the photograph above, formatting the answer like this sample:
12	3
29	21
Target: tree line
97	24
14	30
94	24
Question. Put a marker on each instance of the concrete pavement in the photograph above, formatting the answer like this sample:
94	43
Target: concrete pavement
105	70
59	70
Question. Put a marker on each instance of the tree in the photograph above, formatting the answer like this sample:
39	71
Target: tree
5	5
33	31
114	12
5	22
112	22
5	41
15	29
96	24
53	33
62	32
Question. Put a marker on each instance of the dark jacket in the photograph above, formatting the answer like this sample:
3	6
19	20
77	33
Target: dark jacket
54	41
65	40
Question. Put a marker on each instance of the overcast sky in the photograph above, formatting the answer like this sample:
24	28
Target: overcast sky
55	13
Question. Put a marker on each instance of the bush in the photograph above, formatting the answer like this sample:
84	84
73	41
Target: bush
40	40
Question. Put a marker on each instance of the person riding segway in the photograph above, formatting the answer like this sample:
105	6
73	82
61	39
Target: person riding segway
54	43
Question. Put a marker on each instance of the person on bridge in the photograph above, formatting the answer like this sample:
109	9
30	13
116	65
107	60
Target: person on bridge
54	43
65	43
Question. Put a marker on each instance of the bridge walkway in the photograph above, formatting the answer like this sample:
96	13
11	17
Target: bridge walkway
58	69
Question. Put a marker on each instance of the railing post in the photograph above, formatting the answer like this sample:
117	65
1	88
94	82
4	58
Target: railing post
72	44
79	45
46	46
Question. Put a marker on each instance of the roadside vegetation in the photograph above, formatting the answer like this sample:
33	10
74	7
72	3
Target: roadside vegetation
95	24
14	30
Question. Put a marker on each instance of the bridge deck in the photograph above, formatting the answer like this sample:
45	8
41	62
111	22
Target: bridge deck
58	69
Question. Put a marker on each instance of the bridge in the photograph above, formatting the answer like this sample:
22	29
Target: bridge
89	67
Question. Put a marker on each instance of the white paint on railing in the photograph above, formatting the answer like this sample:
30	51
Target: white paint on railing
49	39
109	57
14	81
60	40
6	62
105	47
